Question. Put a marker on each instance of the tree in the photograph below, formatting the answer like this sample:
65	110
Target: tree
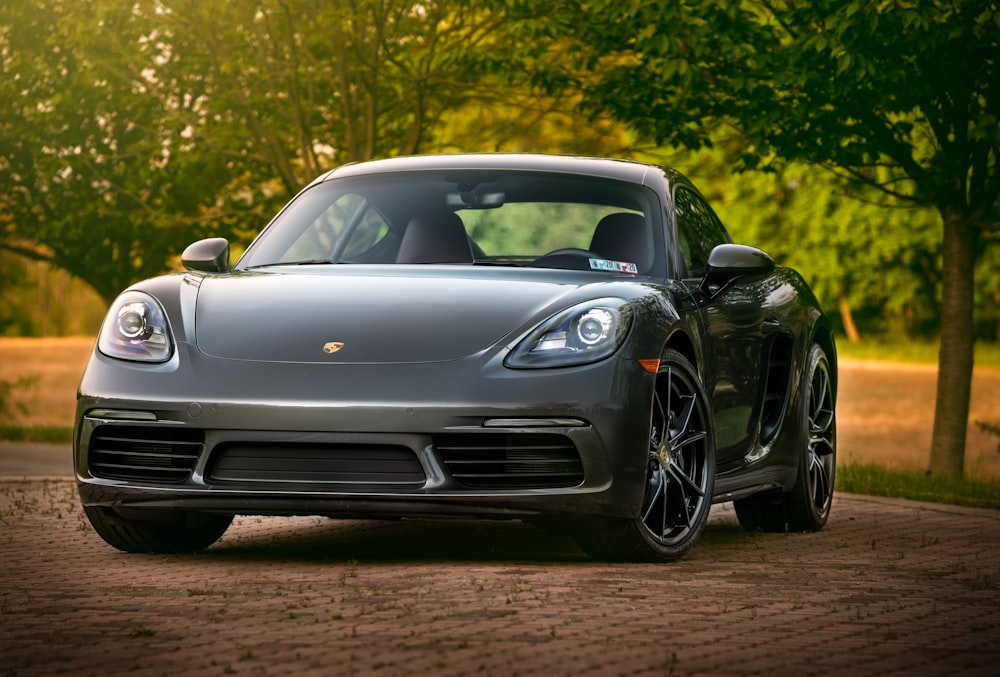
897	94
93	181
130	128
835	234
300	87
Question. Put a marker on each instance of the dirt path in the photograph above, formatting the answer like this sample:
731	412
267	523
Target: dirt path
885	410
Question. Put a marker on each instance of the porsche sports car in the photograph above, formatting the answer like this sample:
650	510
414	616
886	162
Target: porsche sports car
572	341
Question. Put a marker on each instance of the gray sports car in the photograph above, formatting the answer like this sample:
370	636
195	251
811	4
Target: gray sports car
573	341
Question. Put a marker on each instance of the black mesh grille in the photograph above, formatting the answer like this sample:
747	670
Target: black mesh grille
496	460
276	462
156	454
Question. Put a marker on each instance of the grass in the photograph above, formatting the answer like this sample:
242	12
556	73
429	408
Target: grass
987	355
44	434
874	480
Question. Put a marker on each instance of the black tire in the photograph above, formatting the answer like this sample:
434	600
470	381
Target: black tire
807	506
680	475
183	533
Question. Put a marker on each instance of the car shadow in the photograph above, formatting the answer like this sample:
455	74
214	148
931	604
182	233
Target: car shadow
392	541
317	539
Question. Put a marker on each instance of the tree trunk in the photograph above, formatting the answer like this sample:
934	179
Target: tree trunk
954	386
847	317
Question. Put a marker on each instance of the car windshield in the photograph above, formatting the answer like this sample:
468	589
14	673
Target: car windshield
467	217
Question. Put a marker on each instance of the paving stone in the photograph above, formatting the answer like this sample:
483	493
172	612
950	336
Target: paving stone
888	588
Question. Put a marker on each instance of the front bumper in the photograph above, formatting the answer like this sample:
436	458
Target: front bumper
456	439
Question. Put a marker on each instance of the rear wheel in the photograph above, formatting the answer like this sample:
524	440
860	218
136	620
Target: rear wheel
680	474
807	506
174	533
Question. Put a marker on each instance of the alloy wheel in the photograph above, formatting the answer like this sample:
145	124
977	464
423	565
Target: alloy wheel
679	468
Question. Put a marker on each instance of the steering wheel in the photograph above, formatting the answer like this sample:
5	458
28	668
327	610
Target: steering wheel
570	258
572	251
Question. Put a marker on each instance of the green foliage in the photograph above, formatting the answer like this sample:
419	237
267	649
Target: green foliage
99	181
297	87
990	429
524	229
884	263
39	300
9	406
899	95
15	317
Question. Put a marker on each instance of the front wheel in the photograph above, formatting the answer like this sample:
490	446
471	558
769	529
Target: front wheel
807	506
680	474
174	533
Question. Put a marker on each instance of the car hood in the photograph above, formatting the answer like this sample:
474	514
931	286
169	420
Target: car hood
366	317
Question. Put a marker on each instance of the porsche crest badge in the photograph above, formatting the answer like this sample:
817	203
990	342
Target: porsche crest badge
332	347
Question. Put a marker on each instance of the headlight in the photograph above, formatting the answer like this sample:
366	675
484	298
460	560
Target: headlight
584	333
135	329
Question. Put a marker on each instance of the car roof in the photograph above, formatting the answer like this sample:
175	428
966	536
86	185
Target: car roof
623	170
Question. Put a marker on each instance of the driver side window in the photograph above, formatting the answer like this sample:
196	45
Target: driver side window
698	230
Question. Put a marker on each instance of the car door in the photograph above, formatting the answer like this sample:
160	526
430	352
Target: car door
734	323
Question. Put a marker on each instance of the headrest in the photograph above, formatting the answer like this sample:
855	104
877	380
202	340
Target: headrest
437	237
624	237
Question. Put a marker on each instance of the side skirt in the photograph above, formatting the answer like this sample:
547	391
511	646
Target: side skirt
735	485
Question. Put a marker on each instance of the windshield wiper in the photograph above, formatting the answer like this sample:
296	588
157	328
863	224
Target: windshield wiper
306	262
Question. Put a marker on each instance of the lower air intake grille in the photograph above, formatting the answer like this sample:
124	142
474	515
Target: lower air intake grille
144	453
325	464
504	461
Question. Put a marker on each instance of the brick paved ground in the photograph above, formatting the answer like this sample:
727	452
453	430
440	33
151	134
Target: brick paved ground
888	588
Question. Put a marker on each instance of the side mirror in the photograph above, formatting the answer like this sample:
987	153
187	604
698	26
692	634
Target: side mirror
727	262
207	256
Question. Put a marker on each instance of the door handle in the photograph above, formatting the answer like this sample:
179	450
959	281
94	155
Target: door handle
770	326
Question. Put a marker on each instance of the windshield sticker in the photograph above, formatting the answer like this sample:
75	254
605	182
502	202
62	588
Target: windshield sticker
614	266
